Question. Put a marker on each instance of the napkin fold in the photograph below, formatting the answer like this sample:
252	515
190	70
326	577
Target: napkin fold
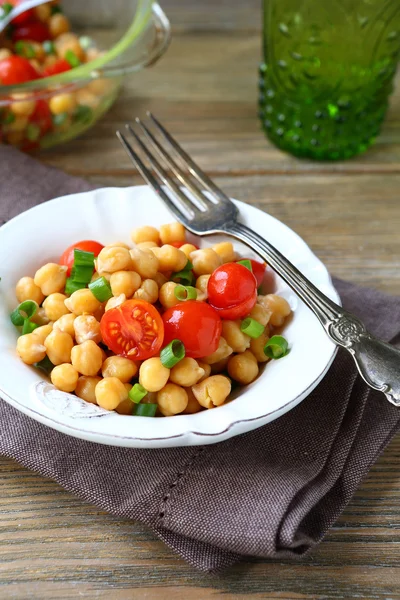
273	492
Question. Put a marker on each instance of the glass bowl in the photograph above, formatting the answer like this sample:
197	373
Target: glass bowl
95	84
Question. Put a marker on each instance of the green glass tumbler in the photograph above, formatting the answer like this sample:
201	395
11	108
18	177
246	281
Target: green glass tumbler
327	74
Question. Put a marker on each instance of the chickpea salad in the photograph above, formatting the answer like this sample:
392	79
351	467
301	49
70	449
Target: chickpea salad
158	327
39	43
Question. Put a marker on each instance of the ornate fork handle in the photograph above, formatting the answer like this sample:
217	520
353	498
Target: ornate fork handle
377	362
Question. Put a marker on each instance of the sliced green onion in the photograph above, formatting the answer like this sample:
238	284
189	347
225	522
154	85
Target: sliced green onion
101	289
9	118
83	113
172	354
5	9
276	347
183	277
183	292
252	328
25	311
83	259
72	58
24	49
246	263
45	365
72	286
145	410
28	327
188	266
60	119
49	47
33	132
137	393
82	274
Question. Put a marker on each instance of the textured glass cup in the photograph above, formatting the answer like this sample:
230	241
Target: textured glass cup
327	74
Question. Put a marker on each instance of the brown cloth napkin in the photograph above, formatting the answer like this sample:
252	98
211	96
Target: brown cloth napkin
273	492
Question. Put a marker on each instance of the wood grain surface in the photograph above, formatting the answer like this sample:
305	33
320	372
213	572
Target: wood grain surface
205	90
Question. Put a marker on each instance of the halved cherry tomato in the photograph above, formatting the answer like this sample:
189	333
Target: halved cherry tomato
196	324
239	310
232	290
33	32
60	66
42	116
67	258
179	244
16	69
134	329
258	269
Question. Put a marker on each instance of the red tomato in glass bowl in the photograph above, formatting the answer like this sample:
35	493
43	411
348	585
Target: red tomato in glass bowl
67	258
60	66
196	325
41	116
32	32
134	329
232	291
16	69
24	17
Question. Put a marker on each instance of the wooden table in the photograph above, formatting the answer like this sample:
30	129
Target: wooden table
55	546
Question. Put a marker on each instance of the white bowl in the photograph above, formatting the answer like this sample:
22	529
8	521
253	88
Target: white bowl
40	235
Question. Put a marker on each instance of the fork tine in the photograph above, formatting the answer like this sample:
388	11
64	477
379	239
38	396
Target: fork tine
149	177
180	197
192	166
180	174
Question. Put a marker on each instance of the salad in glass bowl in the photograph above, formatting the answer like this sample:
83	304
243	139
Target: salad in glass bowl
57	79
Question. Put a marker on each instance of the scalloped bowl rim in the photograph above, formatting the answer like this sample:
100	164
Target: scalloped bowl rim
109	214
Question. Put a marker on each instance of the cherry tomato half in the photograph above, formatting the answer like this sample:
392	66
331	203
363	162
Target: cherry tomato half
239	310
60	66
258	269
33	32
232	290
16	69
41	116
134	329
196	324
67	258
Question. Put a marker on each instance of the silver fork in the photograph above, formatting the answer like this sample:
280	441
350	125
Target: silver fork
378	362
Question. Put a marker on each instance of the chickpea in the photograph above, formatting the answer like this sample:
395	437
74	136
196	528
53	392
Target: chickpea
22	106
82	301
202	285
87	327
220	366
144	262
206	368
261	314
225	251
85	98
5	53
237	340
146	245
148	291
114	302
193	405
125	282
100	311
172	232
30	349
62	103
43	12
153	375
42	332
40	317
35	64
51	278
55	307
125	407
64	377
187	249
49	61
85	388
145	234
160	279
257	346
58	24
17	126
167	296
26	289
277	306
58	346
170	258
110	392
119	367
243	367
221	352
118	245
66	324
205	261
212	391
114	259
87	358
99	87
186	372
172	400
97	275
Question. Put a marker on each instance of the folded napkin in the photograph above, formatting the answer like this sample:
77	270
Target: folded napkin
273	492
